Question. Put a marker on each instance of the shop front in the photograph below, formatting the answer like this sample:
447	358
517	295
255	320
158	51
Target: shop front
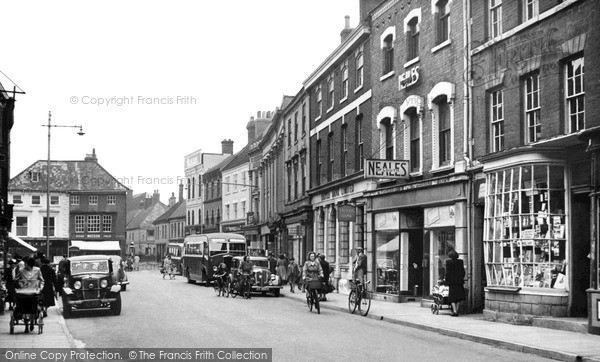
535	241
413	230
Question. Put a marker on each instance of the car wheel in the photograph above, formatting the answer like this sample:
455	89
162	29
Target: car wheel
276	293
67	308
115	307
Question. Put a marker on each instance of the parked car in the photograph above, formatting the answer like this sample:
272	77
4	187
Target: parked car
263	281
120	277
91	284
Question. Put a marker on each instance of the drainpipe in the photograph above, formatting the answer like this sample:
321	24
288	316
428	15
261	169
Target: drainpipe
467	150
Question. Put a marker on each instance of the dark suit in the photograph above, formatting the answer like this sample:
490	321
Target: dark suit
455	275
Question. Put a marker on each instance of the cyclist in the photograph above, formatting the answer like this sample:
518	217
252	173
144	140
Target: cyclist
360	265
245	269
312	269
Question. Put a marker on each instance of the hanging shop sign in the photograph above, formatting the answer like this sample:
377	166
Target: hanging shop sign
409	77
346	213
392	169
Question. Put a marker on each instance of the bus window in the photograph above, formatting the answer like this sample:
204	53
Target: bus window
237	248
218	246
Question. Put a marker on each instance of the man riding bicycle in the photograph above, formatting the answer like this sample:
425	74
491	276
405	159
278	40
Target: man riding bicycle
360	265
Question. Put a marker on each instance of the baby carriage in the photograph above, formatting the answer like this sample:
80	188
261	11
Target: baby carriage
28	310
440	298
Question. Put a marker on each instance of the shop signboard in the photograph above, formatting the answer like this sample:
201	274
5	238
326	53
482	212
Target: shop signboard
389	169
346	213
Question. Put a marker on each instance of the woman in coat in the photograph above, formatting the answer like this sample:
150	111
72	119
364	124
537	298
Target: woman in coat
50	285
455	275
282	269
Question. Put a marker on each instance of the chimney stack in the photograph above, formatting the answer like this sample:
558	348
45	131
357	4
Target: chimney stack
155	197
91	157
347	30
227	147
366	6
251	127
180	192
172	199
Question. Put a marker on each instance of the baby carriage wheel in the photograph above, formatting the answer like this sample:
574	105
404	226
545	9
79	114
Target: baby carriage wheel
435	309
12	324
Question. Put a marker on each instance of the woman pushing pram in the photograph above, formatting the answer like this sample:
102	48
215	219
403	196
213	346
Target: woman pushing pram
29	283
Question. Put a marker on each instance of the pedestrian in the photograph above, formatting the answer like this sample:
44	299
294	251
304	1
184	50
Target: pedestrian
312	269
281	269
62	272
167	267
293	273
454	279
136	262
129	263
272	263
325	279
29	279
9	277
50	285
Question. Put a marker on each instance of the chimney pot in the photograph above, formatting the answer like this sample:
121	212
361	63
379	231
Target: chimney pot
347	19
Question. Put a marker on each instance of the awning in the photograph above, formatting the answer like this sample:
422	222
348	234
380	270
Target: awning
390	246
96	245
21	242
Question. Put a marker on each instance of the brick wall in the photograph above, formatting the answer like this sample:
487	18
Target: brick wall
542	47
445	65
522	308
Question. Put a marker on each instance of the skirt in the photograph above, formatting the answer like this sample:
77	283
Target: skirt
456	293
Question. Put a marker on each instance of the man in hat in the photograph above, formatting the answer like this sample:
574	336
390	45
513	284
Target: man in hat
360	265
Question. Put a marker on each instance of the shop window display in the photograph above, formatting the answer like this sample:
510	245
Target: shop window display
525	241
387	246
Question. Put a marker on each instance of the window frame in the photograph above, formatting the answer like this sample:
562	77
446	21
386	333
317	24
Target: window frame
569	98
496	124
360	149
107	220
388	54
442	21
531	97
412	41
80	223
93	200
24	228
530	13
111	199
330	92
36	199
495	12
17	199
345	82
92	224
359	72
344	139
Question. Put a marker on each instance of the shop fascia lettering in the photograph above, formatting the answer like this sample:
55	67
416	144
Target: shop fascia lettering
337	192
409	77
392	169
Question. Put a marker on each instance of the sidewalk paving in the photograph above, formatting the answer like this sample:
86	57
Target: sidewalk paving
55	333
549	343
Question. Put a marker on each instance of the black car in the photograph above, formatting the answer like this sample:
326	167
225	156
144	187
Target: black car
91	284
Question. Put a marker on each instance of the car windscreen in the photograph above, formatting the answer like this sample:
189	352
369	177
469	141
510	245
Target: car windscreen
261	263
81	267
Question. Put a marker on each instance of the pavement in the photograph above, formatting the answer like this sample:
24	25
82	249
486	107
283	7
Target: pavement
544	342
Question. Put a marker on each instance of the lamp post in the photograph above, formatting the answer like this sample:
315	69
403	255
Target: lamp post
50	125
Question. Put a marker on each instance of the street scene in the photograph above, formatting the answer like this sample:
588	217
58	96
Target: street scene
300	180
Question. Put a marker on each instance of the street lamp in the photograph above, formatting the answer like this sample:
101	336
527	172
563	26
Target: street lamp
50	125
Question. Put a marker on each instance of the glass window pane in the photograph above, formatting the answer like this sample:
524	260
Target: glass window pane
526	177
556	177
540	176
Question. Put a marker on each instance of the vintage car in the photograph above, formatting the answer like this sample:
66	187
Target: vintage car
91	284
262	279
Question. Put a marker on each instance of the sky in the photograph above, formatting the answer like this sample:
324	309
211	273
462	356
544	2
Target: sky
153	81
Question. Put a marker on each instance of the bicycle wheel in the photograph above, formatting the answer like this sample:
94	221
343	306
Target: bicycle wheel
217	288
365	303
352	301
247	290
317	305
233	290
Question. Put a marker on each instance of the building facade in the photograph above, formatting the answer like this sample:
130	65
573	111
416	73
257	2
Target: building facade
297	212
140	230
196	163
86	203
535	134
213	198
340	111
236	192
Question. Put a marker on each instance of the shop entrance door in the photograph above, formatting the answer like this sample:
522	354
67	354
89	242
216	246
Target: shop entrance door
580	248
415	262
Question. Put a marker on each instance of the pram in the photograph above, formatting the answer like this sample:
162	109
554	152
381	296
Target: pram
440	298
28	310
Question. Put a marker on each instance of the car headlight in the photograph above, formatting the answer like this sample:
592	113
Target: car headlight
273	276
104	283
215	268
77	285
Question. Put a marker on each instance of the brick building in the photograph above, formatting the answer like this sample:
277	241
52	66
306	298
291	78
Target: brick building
535	132
340	139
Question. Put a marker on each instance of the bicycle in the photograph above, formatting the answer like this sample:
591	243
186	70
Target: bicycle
312	294
359	297
241	286
221	285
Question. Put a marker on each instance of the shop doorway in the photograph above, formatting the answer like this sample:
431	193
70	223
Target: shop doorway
415	263
580	249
